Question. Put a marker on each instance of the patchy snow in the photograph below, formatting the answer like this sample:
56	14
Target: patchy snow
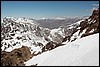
89	19
74	25
50	38
53	31
82	52
77	35
70	27
91	31
25	34
79	21
82	32
58	30
94	21
56	34
29	43
78	28
59	18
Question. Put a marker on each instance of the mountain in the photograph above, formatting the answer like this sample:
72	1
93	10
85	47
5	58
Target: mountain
21	38
24	38
81	45
83	27
82	52
56	22
16	32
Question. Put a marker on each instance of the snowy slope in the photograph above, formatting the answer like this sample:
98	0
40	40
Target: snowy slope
82	52
18	32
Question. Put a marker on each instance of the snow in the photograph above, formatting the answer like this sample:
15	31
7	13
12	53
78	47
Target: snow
56	35
82	52
59	18
89	20
58	30
78	28
91	31
94	21
53	31
83	32
43	18
21	20
28	38
79	21
75	24
28	43
77	35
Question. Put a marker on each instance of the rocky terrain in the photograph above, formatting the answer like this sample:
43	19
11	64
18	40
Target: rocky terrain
23	38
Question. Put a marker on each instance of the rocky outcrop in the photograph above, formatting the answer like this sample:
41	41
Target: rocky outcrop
51	45
91	24
17	57
87	27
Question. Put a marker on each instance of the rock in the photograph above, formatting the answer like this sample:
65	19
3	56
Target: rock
17	57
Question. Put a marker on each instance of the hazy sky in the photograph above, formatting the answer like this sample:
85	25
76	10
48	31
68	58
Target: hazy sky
47	9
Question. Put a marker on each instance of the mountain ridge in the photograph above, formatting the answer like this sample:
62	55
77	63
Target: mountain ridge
19	32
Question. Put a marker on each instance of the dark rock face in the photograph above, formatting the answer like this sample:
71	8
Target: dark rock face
51	45
92	24
40	45
16	57
66	38
34	65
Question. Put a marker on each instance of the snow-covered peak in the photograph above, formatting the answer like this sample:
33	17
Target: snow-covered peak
18	32
20	20
59	18
43	18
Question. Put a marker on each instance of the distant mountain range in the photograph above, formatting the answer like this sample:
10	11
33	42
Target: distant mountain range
38	36
57	22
